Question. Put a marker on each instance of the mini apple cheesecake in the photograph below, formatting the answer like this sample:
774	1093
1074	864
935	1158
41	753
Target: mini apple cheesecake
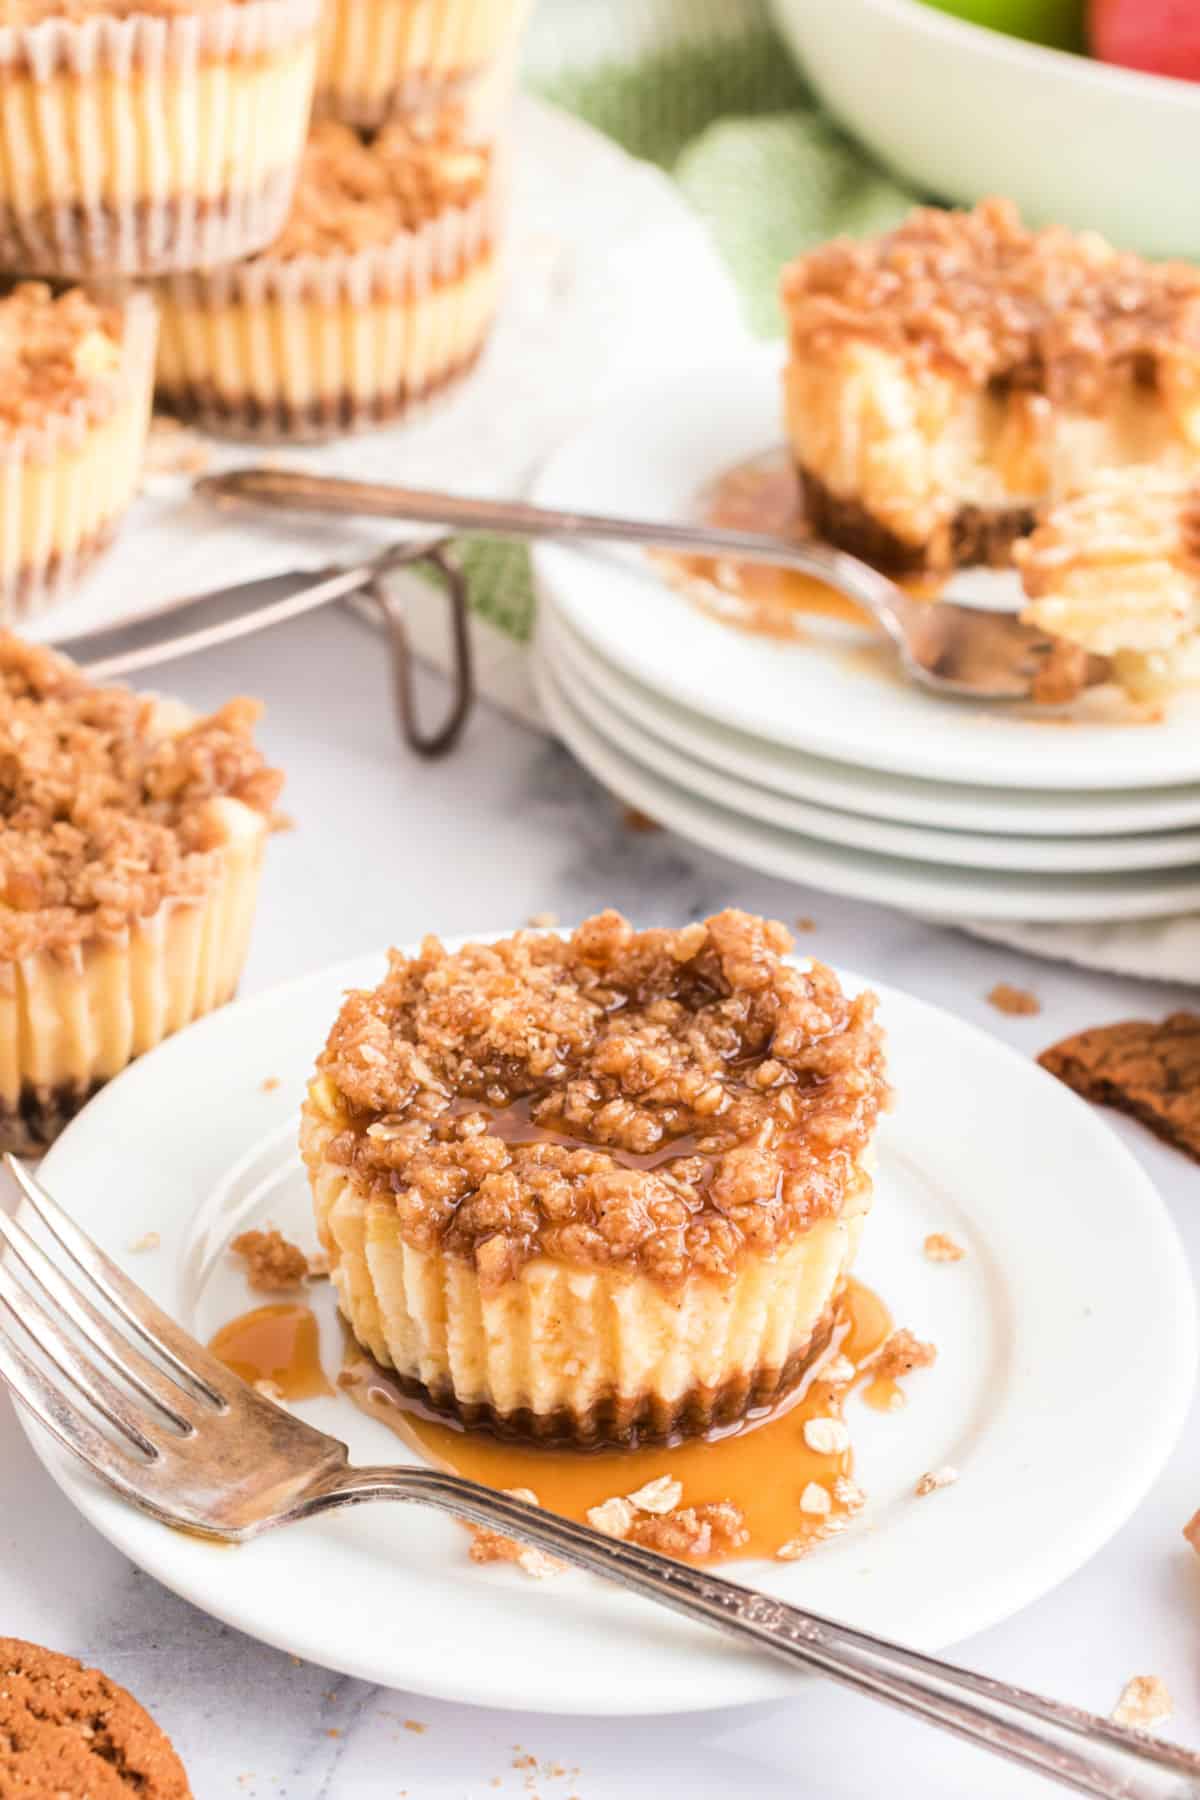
948	379
76	378
142	135
131	837
385	59
376	297
603	1188
1116	571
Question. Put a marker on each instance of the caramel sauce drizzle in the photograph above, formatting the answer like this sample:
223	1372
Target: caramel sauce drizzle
763	1466
763	494
280	1344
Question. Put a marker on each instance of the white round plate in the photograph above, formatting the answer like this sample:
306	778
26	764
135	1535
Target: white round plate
945	805
959	849
929	889
1072	1309
649	454
601	288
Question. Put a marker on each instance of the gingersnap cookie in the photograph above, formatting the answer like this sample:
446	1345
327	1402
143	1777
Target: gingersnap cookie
70	1732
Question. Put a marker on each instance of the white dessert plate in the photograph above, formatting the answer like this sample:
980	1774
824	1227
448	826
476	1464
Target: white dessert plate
945	805
931	889
649	453
957	849
1072	1311
602	286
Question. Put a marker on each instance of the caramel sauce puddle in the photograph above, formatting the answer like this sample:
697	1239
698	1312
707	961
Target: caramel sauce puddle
280	1344
763	1466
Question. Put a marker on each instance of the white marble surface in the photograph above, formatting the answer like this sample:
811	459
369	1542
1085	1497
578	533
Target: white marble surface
386	848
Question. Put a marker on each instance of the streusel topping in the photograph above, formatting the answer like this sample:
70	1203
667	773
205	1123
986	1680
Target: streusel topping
56	354
978	294
352	195
663	1098
106	799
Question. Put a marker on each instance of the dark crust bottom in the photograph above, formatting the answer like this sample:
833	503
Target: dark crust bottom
24	593
250	421
627	1421
39	1115
975	535
148	238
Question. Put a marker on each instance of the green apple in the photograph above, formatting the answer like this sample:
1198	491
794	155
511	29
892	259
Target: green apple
1057	22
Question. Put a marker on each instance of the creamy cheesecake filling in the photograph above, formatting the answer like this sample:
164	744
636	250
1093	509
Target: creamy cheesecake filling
1116	569
914	452
133	144
380	58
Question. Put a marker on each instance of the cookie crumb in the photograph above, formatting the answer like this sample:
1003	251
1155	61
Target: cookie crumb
415	1725
940	1247
149	1240
944	1477
1150	1071
804	923
272	1264
270	1083
543	921
613	1517
489	1546
634	819
1191	1532
1145	1701
1019	1003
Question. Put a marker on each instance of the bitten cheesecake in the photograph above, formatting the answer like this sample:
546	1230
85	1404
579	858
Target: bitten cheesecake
377	296
949	378
131	836
384	59
598	1188
142	135
75	388
1116	570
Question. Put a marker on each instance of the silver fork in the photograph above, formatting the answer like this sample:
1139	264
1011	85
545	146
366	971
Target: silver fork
955	650
152	1413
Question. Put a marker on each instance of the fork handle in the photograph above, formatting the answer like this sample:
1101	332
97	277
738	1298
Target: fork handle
1077	1748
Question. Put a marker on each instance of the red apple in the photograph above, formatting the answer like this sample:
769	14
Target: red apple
1159	36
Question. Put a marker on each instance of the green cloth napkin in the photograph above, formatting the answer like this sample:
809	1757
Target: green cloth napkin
706	90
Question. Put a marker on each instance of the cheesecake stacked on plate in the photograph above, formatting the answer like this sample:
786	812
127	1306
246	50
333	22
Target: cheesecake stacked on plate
161	156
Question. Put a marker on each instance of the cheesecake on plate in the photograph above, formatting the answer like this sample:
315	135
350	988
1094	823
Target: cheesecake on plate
598	1188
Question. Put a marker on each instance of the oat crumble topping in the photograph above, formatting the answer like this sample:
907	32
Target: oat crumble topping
32	12
272	1264
941	1248
944	1477
977	294
492	1546
659	1097
106	800
827	1437
1016	1002
900	1355
56	354
1145	1701
716	1528
352	195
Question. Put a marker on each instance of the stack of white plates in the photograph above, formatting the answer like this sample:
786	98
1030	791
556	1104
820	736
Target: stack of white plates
814	759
